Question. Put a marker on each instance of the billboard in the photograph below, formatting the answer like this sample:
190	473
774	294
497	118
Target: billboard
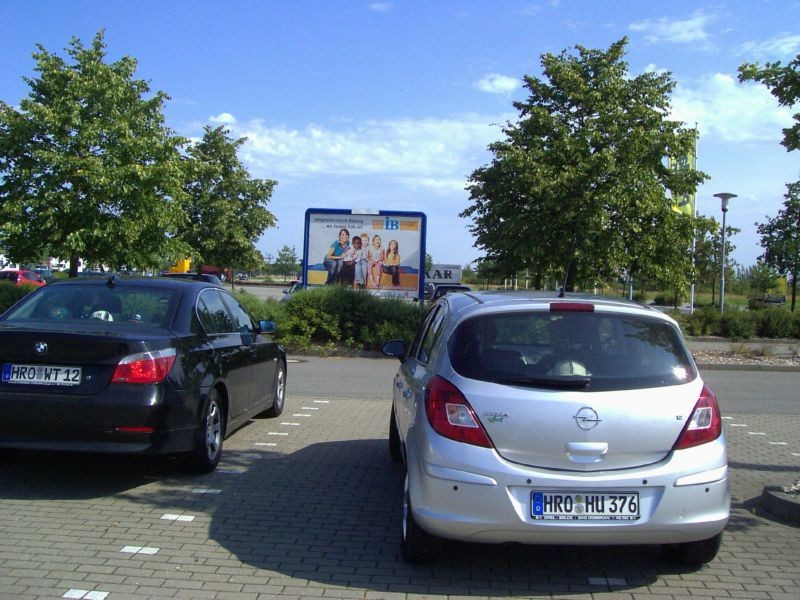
381	251
444	274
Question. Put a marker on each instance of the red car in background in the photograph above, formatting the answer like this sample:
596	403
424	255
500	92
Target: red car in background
21	277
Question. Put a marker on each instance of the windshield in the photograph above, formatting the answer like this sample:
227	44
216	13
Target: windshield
117	306
588	351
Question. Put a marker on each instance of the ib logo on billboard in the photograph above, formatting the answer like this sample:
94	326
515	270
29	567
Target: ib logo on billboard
387	224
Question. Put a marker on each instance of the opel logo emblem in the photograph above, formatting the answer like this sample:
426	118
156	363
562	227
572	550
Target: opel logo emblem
40	348
587	418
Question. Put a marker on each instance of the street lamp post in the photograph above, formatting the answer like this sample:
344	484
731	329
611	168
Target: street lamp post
724	198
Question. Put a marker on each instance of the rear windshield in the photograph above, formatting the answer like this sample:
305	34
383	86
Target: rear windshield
602	351
118	306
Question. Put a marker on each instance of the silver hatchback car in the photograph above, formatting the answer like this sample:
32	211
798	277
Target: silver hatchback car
540	419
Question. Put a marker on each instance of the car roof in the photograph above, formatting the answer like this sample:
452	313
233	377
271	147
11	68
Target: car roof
154	282
474	301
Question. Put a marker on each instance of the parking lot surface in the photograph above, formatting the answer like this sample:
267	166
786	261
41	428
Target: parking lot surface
308	506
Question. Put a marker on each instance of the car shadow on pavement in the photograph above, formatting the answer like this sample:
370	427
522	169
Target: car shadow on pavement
328	513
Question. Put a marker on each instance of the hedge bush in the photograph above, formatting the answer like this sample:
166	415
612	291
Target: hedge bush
738	324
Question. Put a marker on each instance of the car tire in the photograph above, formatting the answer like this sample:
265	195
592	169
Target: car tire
695	553
279	396
395	448
205	455
417	545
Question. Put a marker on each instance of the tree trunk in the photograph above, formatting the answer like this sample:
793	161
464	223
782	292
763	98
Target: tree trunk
73	266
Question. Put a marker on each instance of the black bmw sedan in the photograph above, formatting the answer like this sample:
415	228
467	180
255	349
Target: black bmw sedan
151	366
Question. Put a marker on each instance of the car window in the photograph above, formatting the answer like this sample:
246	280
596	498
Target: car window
431	335
241	320
9	275
617	351
213	313
115	306
415	345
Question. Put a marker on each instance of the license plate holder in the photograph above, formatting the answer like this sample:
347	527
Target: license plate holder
553	505
58	375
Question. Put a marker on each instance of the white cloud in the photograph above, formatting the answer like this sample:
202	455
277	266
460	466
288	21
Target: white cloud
731	111
682	31
495	83
435	154
785	45
381	7
223	119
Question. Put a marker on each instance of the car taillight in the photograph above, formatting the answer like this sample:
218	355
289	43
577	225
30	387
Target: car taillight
451	416
145	367
705	424
571	307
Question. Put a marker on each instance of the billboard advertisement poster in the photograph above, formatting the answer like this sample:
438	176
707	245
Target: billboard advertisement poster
381	251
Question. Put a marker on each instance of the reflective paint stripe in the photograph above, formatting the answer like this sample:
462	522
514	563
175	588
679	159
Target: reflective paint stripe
607	581
277	433
756	433
139	550
181	518
779	443
86	594
271	444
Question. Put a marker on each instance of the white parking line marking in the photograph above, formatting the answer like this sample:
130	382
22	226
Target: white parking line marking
607	581
322	401
253	456
139	550
179	518
779	443
206	491
756	433
728	418
291	424
300	415
292	360
738	425
230	471
86	594
271	444
277	433
310	407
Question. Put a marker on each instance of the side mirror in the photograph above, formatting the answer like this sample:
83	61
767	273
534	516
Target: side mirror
395	348
267	327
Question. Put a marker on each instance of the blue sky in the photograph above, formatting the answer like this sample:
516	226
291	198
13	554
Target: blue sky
391	105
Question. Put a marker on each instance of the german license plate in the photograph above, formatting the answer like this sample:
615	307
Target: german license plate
41	374
569	506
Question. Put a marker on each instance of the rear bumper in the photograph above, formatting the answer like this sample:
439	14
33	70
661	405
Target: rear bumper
98	423
679	501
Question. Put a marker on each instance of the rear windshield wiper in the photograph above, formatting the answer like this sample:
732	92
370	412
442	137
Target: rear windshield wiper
550	381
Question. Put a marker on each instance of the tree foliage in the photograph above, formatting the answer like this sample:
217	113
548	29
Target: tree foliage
87	167
225	207
286	263
780	238
579	184
783	82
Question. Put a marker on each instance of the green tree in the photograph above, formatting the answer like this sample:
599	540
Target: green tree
87	167
286	263
578	186
225	208
784	84
780	238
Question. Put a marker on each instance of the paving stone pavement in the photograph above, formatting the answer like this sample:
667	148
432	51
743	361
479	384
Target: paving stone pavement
307	506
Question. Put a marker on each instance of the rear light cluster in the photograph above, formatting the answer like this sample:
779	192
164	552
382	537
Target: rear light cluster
705	424
451	416
145	367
